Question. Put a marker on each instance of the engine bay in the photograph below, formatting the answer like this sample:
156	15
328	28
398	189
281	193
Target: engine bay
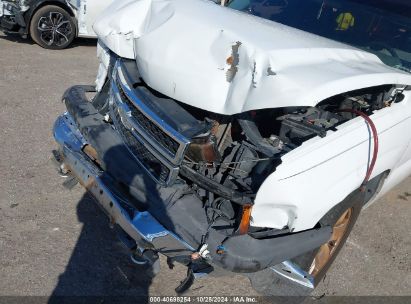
247	148
228	157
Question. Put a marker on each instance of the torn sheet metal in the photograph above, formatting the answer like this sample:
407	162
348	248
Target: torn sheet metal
103	55
237	61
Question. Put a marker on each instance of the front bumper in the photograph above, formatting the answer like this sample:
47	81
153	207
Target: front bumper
83	126
141	226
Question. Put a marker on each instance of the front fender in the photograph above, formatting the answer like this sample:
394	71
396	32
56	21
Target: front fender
317	176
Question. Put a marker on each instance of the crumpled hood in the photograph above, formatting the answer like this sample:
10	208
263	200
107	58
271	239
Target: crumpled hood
228	62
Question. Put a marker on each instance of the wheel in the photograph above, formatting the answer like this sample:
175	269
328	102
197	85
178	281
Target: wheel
316	263
342	218
52	27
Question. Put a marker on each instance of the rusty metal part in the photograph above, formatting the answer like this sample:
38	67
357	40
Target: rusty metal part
91	152
88	183
233	61
326	251
223	136
203	149
64	169
208	148
215	127
245	219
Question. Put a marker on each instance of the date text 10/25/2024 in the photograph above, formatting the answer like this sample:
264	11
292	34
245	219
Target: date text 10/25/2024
203	299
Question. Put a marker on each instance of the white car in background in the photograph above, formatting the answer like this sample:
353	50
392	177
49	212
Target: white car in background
52	24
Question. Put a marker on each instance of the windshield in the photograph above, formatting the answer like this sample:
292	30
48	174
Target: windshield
382	27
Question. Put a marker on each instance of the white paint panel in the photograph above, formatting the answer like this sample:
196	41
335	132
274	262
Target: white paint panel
88	11
182	47
323	171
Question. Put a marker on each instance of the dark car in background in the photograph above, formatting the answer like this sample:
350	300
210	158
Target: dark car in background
52	24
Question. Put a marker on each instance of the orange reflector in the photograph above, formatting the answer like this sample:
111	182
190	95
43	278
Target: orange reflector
245	219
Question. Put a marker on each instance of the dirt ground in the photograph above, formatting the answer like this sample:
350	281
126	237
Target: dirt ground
57	242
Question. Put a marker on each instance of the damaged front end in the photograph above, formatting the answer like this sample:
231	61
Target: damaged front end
182	181
178	180
179	159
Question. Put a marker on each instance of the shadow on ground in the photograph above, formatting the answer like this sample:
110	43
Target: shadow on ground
78	42
99	265
16	38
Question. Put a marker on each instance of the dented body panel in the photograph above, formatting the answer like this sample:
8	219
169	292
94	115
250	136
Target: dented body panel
263	65
237	68
235	135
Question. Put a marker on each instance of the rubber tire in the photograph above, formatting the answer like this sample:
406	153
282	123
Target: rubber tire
269	283
43	11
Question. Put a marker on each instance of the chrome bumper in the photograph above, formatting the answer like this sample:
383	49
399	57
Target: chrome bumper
141	226
294	273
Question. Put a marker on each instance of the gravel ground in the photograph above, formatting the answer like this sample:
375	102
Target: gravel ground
56	241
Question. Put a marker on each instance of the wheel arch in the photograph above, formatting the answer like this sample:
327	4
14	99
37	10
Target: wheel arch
370	192
374	187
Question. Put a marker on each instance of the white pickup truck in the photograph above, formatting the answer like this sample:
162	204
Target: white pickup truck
246	138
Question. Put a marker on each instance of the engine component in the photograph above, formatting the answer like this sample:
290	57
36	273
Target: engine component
305	124
214	186
203	149
241	160
254	136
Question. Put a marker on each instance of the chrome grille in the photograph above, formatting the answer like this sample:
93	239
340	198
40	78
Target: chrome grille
156	146
149	126
147	159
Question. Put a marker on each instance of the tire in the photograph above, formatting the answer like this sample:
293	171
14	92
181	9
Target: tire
52	27
344	215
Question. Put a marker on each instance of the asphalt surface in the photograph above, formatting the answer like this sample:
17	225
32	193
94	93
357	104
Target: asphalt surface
57	242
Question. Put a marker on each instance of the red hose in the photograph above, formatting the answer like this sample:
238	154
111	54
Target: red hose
375	138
